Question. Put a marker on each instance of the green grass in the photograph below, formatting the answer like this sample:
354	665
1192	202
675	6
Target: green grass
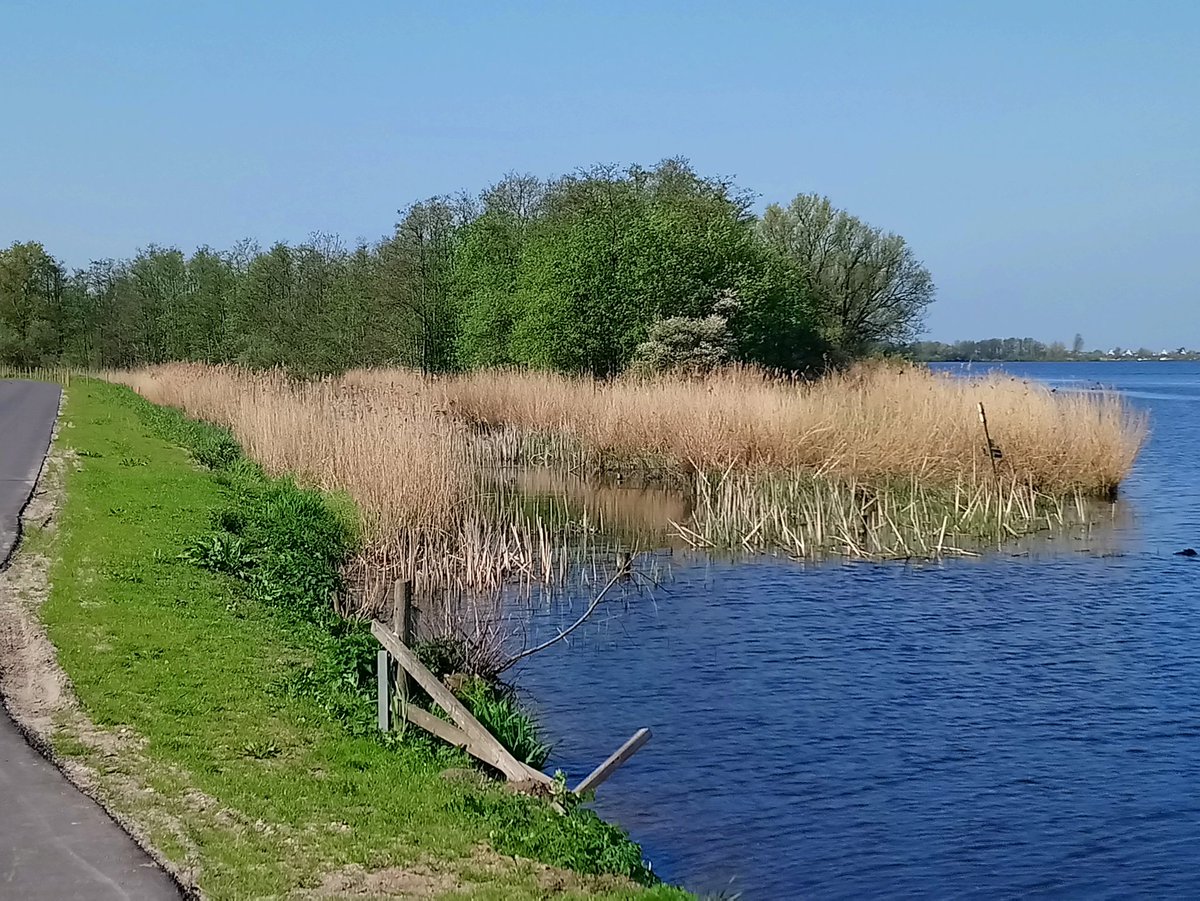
187	608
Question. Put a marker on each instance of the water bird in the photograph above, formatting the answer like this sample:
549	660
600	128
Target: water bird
1187	552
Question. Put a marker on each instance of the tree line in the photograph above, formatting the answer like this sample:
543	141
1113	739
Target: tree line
995	350
991	350
591	272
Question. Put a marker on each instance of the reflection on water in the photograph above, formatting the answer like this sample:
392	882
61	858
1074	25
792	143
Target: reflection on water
642	516
638	512
998	726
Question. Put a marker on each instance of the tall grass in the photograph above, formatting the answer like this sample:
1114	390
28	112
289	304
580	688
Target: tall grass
874	422
427	515
884	460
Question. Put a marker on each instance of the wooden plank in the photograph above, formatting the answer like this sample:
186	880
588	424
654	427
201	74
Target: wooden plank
452	735
383	701
618	757
482	743
447	732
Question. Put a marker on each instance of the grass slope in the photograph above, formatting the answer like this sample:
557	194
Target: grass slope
254	764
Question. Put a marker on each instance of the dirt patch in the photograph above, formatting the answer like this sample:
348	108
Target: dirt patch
394	882
431	879
31	682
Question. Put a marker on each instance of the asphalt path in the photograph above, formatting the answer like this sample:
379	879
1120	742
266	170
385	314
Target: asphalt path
27	414
55	842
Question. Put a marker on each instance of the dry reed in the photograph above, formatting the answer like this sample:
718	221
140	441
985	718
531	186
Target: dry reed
872	423
881	461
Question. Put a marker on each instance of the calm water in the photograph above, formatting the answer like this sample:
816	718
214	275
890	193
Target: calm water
1002	727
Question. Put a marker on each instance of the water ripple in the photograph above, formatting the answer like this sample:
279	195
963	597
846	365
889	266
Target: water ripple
1014	727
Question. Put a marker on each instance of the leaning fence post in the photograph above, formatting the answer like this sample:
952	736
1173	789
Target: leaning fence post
383	699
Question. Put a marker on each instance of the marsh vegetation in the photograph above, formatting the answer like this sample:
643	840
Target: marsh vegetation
477	482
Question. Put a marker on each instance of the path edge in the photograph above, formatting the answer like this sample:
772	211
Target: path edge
81	776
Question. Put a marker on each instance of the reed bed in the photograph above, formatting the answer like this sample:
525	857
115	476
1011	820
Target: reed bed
813	517
881	461
874	423
405	466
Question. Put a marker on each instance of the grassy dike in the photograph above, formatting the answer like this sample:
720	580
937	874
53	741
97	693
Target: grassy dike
188	607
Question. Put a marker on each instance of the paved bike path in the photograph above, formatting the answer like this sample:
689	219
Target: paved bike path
56	844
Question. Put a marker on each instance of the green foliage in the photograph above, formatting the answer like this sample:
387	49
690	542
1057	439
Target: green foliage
580	841
220	552
570	273
604	254
498	710
867	287
33	310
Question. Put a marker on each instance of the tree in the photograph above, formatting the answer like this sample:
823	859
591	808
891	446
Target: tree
582	273
214	281
868	284
32	321
487	273
416	280
612	251
1077	345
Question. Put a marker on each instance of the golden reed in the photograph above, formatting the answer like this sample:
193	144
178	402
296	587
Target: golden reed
860	463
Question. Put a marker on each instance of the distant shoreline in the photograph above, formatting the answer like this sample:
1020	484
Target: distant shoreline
1195	359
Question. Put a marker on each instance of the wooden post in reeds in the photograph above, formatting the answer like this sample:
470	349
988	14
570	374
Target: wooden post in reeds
387	682
989	447
991	452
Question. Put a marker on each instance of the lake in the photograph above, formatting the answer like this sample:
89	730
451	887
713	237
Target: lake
1024	723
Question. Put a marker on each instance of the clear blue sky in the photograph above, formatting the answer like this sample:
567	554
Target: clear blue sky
1043	158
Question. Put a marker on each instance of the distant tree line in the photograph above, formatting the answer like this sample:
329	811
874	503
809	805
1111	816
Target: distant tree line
991	350
994	350
591	273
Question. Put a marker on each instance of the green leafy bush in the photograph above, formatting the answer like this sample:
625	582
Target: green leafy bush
219	551
498	710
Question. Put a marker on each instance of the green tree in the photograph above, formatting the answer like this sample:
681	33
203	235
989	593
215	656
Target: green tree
870	288
213	278
613	251
417	269
488	271
33	326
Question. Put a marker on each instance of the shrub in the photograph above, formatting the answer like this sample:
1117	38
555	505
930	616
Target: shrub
498	710
682	344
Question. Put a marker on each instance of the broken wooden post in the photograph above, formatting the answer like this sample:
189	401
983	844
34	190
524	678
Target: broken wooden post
480	742
601	773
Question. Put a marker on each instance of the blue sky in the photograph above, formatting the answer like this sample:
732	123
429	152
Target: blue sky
1043	159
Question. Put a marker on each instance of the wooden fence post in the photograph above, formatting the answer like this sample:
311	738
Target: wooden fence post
482	743
618	757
